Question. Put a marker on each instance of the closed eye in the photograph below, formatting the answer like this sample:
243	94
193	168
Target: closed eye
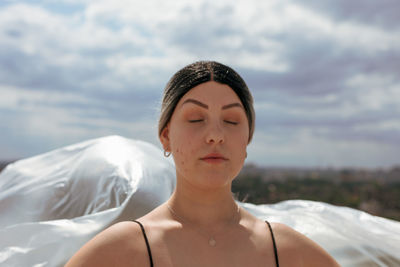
193	121
231	122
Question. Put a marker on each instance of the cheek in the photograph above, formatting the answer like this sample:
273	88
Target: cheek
182	142
241	139
182	151
179	156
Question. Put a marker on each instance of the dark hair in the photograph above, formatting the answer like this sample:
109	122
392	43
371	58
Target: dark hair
198	73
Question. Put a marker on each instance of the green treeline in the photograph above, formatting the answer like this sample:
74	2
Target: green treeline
372	196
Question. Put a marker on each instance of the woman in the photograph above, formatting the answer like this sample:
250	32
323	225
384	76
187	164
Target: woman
207	120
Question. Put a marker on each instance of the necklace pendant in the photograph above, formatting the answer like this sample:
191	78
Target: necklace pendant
212	242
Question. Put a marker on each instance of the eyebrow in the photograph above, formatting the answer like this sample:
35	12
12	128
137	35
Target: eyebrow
196	102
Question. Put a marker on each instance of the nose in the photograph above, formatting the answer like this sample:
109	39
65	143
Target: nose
215	134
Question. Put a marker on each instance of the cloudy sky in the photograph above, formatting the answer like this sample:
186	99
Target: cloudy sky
325	75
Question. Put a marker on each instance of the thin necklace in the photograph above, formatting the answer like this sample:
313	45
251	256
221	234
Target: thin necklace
211	241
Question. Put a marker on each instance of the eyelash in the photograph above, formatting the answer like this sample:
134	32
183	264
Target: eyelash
229	122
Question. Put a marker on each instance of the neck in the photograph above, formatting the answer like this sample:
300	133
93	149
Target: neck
212	208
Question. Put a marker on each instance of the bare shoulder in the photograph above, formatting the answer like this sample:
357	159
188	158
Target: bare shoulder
295	249
121	244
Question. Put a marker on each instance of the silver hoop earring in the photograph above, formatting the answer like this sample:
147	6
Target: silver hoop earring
167	153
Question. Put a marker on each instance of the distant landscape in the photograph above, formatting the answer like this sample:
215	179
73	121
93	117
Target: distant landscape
376	191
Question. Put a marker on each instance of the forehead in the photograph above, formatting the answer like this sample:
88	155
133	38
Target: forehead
211	93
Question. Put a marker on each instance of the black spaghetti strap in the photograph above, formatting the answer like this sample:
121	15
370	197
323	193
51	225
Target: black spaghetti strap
273	242
147	243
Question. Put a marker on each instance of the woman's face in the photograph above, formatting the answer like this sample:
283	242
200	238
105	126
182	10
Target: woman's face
208	135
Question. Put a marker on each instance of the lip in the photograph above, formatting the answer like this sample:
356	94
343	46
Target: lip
214	158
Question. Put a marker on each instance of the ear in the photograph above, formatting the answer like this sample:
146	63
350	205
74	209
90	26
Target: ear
164	138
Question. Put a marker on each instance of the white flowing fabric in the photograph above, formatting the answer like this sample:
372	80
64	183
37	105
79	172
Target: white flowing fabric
51	204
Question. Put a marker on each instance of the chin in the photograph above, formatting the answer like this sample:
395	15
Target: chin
215	180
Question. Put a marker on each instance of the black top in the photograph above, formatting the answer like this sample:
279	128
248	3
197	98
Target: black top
151	258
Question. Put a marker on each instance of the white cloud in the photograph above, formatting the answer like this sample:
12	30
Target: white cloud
27	99
40	114
160	19
376	91
74	74
377	127
303	148
313	26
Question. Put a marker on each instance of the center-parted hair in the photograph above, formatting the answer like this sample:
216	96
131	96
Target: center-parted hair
198	73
